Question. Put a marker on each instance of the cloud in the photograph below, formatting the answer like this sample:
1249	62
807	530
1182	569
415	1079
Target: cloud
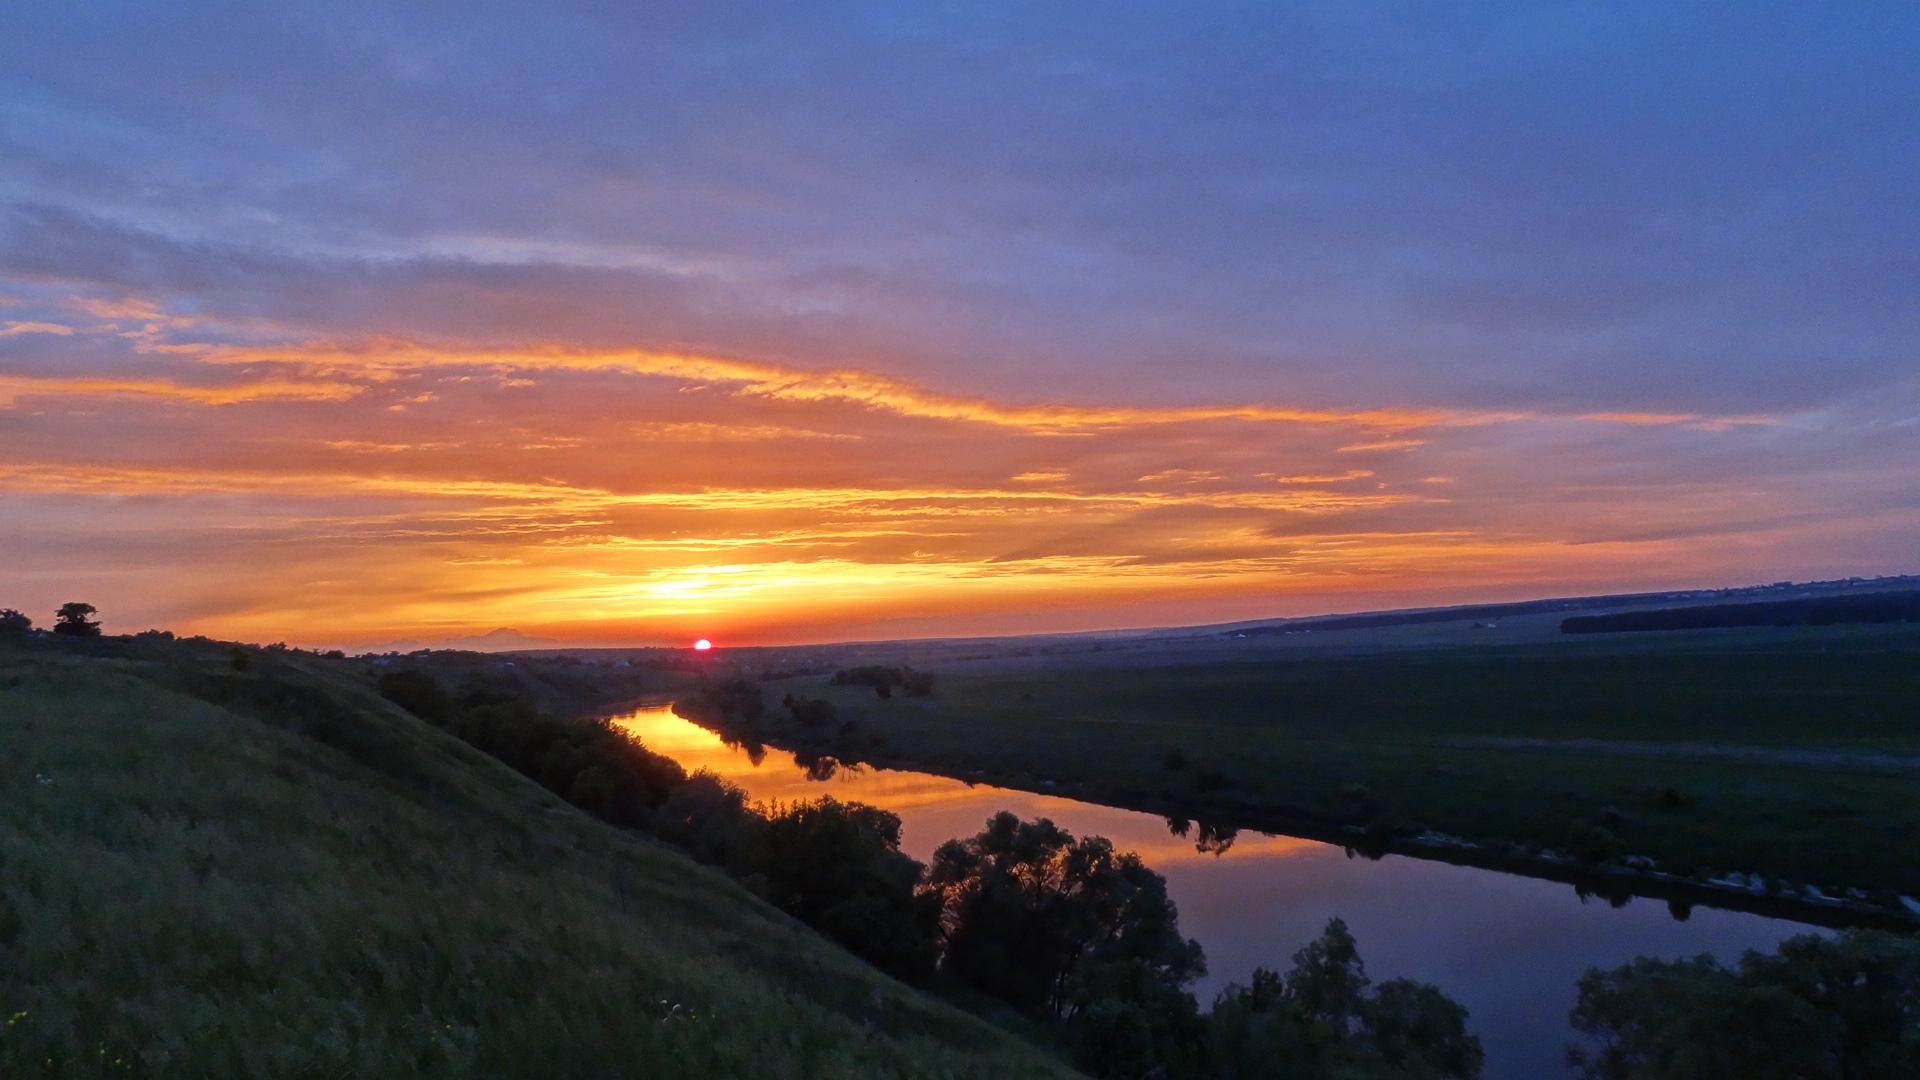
1326	478
14	388
13	329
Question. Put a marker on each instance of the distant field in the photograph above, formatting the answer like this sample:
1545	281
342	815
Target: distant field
207	871
1791	753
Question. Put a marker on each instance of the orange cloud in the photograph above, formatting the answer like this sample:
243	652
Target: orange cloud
880	392
15	387
13	329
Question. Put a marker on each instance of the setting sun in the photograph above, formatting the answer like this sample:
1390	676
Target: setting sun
702	645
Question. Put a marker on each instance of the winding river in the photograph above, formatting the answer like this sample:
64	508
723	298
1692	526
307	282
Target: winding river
1509	948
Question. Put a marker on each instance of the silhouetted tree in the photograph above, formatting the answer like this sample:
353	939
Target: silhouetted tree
838	867
75	620
1321	1019
1841	1007
881	678
810	712
1037	917
13	622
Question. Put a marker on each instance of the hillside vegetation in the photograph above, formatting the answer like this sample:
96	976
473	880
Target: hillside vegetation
210	868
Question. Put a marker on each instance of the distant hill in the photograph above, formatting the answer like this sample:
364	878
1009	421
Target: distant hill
500	639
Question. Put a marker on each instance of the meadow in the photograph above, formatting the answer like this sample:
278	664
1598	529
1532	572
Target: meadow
217	867
1790	754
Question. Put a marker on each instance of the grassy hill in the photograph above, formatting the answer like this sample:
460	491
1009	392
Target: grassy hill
207	871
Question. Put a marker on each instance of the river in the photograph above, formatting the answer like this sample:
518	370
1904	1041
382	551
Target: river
1509	948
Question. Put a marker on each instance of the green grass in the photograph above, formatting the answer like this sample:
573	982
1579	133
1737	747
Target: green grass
1474	743
206	872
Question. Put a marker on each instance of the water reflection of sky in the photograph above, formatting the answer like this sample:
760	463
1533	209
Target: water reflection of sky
1509	948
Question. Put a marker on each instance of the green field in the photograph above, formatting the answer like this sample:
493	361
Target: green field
1795	755
207	871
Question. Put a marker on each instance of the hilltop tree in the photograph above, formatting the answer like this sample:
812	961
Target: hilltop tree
13	622
74	620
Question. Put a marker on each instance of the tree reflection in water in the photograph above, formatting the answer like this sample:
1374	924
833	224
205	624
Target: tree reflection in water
1209	840
823	767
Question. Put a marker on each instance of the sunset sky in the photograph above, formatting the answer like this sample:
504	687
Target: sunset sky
635	323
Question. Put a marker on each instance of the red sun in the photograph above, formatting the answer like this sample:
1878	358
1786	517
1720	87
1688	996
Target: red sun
702	645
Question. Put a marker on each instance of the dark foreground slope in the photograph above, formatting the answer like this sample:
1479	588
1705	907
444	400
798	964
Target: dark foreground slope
304	881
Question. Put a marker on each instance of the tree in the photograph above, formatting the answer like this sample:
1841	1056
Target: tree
1324	1018
1042	919
881	678
1821	1007
838	867
13	622
74	620
810	712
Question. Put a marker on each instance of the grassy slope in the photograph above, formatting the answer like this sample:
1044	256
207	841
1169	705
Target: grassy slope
1423	733
309	883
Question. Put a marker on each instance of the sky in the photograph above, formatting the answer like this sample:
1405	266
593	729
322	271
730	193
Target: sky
619	323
